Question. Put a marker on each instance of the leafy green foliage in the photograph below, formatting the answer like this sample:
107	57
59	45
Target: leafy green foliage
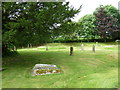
111	11
87	28
8	37
104	23
35	23
70	32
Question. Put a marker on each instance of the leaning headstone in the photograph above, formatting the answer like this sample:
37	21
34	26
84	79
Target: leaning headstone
43	69
93	48
71	51
82	47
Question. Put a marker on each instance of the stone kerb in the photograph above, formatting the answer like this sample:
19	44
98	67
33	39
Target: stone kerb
43	69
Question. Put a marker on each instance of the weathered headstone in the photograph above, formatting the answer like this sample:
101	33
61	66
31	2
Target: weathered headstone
93	48
46	48
82	47
96	44
71	51
43	69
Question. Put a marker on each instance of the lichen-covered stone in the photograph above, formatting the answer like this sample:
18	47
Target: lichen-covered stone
43	69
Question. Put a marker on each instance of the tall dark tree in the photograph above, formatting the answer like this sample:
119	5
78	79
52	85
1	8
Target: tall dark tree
107	25
113	12
8	11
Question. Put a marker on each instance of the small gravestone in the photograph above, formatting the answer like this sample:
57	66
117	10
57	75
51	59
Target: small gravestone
43	69
46	48
71	51
96	44
82	47
93	48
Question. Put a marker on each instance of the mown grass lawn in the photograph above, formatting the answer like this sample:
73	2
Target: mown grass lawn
83	70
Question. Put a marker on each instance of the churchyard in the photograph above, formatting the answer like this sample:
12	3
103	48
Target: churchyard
83	69
46	45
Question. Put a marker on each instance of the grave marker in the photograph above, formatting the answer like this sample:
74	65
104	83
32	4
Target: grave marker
46	48
82	47
71	51
93	48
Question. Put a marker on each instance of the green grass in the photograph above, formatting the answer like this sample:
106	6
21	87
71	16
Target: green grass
84	69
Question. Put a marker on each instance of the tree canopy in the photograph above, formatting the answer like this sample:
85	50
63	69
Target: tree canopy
35	23
104	23
107	21
87	27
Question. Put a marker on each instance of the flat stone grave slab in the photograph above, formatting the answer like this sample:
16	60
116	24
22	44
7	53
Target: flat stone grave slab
43	69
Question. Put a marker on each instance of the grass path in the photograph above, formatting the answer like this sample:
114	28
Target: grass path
83	70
